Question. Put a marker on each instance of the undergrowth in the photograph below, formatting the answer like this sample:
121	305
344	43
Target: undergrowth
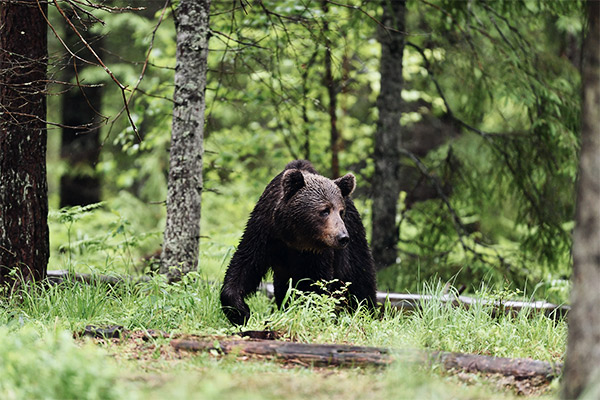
39	323
39	358
38	364
192	306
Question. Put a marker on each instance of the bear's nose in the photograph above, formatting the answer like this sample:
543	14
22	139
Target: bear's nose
343	239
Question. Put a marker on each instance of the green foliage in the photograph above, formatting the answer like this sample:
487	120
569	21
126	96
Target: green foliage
189	305
51	366
265	381
522	335
504	72
498	75
100	238
309	316
439	326
515	97
38	362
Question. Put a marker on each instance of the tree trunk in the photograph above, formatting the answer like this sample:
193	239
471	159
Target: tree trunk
80	146
24	246
182	231
331	93
388	139
582	366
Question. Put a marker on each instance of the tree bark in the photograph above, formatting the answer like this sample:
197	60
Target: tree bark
24	246
582	367
182	231
388	138
80	146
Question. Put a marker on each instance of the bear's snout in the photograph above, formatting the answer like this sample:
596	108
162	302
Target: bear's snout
338	237
343	239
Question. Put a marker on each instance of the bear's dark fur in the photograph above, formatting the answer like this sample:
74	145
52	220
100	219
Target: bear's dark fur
305	228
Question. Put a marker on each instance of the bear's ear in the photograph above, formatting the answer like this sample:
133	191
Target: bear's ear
346	183
291	182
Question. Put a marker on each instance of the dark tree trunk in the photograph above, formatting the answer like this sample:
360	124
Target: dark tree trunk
24	247
582	367
331	93
80	146
182	231
305	101
388	139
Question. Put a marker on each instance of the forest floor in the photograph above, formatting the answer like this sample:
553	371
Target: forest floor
157	369
45	354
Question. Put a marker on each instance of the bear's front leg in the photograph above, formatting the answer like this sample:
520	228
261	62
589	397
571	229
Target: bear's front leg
234	307
247	268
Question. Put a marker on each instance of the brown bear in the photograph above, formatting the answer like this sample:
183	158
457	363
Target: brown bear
306	228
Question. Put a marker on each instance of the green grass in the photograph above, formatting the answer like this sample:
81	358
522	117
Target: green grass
192	306
49	365
40	359
269	381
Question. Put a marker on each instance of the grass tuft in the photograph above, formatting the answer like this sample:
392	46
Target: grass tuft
51	366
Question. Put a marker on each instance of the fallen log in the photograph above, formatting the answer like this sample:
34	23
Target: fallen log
520	368
313	354
352	356
498	307
59	276
400	301
413	302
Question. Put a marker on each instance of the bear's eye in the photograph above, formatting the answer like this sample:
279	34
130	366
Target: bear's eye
324	213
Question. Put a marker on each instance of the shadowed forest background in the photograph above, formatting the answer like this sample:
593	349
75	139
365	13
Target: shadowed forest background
488	132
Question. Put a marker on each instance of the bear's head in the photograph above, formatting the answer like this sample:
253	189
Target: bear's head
310	212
